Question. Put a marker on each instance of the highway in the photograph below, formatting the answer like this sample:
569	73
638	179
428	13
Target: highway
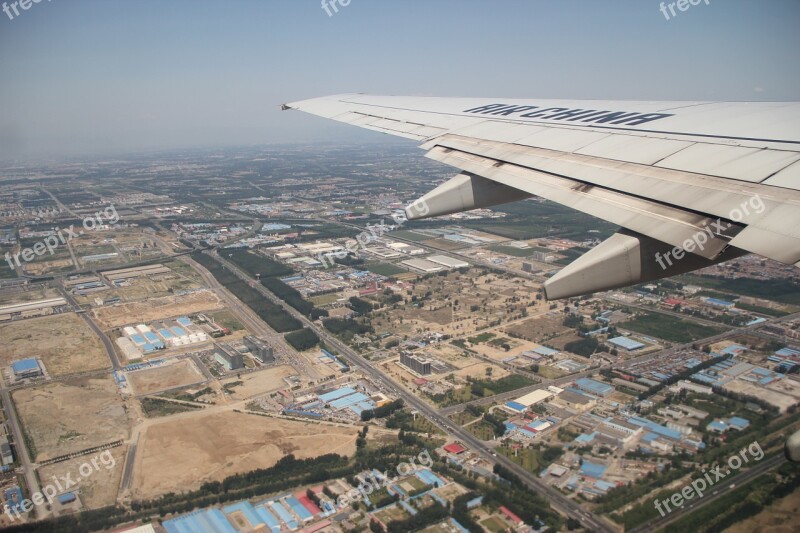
21	449
557	500
714	493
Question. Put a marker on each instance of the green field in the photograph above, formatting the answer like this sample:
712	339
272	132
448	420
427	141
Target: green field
777	290
670	328
386	269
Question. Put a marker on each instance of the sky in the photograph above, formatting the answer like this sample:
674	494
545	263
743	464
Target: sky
113	77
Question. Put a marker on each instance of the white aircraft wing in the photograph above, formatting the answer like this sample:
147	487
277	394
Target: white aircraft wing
691	183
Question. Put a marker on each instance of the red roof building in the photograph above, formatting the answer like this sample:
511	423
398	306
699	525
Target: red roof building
454	448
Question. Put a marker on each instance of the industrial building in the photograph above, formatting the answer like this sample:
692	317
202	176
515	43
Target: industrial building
26	369
534	397
261	350
160	335
229	357
125	274
594	387
418	365
29	309
626	343
448	262
423	265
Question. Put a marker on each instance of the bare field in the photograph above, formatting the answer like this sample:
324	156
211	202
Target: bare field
261	382
538	329
157	309
37	292
67	417
175	457
478	371
48	267
164	377
97	490
64	342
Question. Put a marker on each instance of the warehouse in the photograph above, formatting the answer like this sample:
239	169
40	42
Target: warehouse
534	397
125	274
26	369
39	305
448	262
423	265
594	387
626	343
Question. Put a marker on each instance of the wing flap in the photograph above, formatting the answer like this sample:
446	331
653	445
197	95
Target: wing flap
667	224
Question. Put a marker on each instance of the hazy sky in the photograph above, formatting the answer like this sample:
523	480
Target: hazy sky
118	76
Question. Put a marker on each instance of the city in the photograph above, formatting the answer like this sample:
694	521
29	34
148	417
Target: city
232	317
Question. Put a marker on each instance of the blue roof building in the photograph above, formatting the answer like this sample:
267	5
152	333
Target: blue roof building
594	387
626	343
739	423
594	470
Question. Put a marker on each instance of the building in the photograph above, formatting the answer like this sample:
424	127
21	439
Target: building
626	343
229	357
449	262
532	398
261	350
26	368
423	265
416	364
594	387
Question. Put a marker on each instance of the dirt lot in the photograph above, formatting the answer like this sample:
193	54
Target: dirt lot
64	342
98	489
538	329
261	382
163	377
66	417
157	309
37	292
209	447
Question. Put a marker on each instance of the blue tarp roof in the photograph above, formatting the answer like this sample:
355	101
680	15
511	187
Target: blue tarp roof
625	342
593	469
338	393
25	365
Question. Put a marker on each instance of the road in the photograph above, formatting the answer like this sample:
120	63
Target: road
727	485
107	344
21	449
557	500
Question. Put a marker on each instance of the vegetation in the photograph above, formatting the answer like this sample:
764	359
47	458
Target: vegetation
382	411
362	307
670	328
778	290
302	340
155	407
272	314
585	346
256	265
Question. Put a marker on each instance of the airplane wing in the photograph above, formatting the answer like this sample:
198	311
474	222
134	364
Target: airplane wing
691	184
